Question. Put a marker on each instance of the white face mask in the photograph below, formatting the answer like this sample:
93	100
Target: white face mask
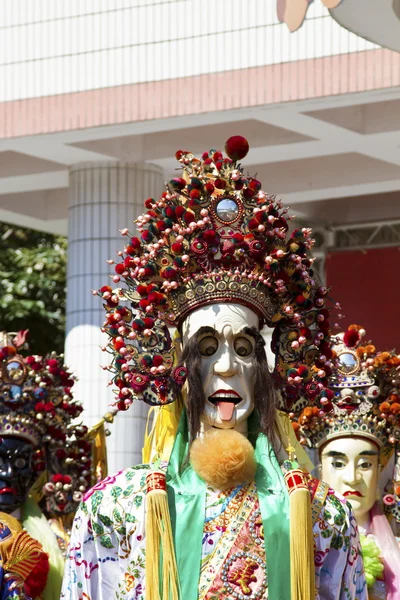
227	362
350	465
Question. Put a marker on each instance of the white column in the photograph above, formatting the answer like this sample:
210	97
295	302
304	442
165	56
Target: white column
103	198
266	333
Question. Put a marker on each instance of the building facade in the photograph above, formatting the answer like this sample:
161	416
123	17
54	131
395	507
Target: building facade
97	95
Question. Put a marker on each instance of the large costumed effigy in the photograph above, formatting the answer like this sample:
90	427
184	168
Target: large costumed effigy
45	466
355	426
223	506
293	12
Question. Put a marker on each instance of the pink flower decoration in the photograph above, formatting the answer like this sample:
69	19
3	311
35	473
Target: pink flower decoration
101	485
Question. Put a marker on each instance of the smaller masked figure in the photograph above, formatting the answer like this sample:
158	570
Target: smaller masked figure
37	440
356	429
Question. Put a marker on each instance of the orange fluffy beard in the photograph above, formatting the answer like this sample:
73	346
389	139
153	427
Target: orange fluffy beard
223	458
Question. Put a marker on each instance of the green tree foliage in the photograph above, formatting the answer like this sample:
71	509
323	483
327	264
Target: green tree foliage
33	268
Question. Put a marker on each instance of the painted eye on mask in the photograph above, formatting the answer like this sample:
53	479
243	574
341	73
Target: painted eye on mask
243	346
20	463
338	464
365	464
208	345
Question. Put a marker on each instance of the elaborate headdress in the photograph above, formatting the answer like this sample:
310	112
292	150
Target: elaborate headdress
213	236
37	405
363	399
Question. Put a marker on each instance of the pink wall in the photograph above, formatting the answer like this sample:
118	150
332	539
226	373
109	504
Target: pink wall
243	88
367	285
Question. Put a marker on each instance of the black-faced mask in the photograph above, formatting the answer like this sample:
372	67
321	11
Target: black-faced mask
15	472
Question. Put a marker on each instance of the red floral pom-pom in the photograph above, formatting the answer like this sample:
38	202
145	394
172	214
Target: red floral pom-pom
236	147
351	338
37	579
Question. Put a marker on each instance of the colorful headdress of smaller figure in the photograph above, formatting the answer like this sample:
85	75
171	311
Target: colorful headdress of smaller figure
36	399
363	399
214	236
37	405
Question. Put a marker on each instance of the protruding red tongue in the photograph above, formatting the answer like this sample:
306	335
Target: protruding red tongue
225	410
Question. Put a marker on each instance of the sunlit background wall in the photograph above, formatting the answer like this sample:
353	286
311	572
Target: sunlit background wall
97	95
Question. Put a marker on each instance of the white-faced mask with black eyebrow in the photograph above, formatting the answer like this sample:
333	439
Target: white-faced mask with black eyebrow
350	465
228	364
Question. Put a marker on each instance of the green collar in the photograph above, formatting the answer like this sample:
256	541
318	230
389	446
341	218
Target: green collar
187	498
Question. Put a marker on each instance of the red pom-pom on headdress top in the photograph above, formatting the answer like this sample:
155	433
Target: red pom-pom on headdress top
237	147
351	338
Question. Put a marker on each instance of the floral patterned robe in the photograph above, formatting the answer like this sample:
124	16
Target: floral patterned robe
106	558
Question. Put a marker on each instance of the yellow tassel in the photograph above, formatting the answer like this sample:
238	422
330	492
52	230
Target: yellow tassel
158	443
301	537
159	542
97	435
